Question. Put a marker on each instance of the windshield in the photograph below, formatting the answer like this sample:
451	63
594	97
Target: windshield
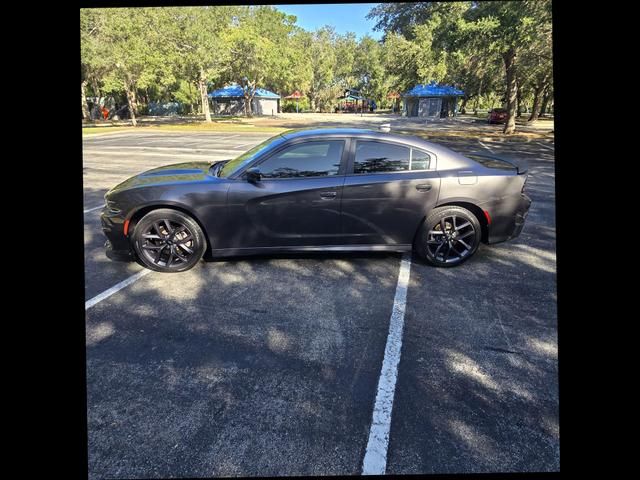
233	165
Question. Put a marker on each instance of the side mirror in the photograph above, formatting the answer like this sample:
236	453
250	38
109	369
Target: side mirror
253	175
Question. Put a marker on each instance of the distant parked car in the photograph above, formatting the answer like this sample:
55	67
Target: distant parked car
498	115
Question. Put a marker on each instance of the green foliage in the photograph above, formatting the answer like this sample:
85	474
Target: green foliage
162	54
187	94
289	106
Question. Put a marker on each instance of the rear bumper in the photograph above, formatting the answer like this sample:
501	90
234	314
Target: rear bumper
117	246
506	225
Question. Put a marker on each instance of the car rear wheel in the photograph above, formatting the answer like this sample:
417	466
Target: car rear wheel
168	240
449	236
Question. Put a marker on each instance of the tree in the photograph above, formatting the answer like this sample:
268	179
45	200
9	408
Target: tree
369	69
94	65
258	47
345	70
536	67
402	18
133	41
197	42
446	40
508	28
321	45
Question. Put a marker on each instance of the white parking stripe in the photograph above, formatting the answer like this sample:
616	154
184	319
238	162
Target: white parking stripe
154	154
107	293
545	146
92	209
485	146
375	458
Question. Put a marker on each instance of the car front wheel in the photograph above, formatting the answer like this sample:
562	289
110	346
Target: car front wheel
448	236
168	240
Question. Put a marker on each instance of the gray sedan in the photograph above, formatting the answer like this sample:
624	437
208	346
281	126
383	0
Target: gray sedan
318	190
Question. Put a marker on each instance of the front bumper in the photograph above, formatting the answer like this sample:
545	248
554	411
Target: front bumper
117	246
509	222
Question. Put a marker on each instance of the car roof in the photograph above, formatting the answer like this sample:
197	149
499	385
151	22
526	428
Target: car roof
453	159
351	132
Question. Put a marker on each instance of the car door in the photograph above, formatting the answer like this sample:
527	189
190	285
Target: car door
297	200
388	189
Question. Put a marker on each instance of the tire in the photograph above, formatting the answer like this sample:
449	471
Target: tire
457	245
167	240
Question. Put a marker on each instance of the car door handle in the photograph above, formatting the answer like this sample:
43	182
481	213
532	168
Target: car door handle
423	187
328	194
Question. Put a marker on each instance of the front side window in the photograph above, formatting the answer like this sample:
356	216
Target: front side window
310	159
374	157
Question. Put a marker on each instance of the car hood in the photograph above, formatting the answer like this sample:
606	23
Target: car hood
176	173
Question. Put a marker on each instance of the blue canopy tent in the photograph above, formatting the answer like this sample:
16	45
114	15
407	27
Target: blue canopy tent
229	100
431	100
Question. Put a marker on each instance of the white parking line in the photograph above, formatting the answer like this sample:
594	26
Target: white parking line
485	146
203	157
375	458
119	286
545	146
92	209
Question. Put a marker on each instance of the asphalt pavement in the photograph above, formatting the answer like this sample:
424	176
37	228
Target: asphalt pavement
268	366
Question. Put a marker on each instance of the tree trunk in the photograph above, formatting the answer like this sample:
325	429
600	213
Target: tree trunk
249	93
131	101
545	100
518	99
96	88
85	107
463	105
509	58
204	99
535	109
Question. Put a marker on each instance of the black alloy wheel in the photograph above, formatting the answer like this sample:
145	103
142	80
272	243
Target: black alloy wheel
449	236
168	241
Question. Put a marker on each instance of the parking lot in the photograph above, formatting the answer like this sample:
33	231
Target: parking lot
269	366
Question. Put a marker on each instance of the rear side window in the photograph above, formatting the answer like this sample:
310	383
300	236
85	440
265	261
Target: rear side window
373	157
420	160
310	159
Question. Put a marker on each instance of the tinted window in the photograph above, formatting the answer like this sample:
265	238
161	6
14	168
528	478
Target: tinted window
247	157
420	160
380	157
311	159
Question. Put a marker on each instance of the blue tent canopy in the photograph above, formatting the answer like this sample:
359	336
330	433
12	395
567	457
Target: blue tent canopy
234	91
433	90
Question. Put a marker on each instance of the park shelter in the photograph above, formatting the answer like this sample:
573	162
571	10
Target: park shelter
230	101
431	101
295	95
349	101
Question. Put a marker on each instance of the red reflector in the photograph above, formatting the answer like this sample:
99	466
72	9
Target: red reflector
126	227
486	214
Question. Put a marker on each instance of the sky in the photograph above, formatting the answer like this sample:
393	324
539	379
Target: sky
344	17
